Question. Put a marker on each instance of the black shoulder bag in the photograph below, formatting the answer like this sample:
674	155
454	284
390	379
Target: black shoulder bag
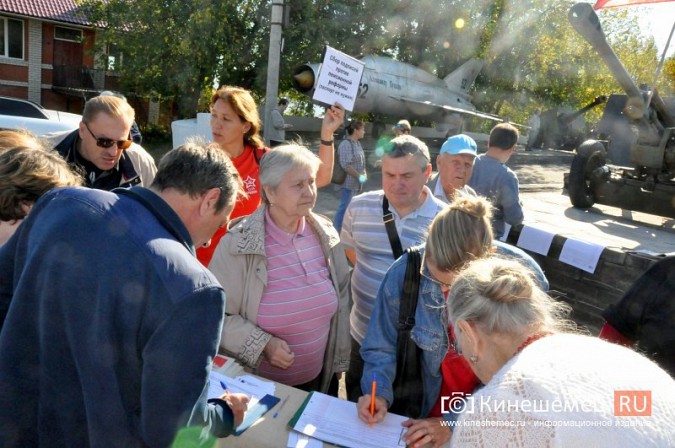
408	387
388	219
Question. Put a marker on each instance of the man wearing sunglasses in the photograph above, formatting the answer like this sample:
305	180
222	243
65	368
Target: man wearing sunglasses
102	149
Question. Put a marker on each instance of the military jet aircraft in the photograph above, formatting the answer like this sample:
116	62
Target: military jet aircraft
398	89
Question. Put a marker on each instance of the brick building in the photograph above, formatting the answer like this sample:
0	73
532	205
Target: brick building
47	56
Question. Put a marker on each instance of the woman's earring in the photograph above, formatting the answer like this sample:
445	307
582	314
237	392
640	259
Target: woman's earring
473	359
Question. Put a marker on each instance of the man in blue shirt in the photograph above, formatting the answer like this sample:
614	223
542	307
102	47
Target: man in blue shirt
496	181
111	322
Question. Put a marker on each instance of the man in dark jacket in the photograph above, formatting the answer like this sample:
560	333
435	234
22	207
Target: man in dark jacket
102	149
644	318
111	322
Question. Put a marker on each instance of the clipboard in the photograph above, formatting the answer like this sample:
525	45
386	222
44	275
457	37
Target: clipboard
294	420
335	421
256	412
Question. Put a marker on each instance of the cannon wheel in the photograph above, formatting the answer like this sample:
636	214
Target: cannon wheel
590	156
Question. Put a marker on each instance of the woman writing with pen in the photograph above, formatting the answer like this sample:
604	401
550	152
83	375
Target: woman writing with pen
460	233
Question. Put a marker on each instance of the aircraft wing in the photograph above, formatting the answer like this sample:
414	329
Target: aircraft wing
459	110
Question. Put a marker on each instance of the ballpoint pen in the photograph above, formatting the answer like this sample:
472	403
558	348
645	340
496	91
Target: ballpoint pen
281	406
372	398
223	385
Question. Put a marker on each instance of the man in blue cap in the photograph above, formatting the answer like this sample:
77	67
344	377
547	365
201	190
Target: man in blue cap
455	165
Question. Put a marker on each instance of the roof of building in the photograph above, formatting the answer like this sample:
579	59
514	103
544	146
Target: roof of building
57	10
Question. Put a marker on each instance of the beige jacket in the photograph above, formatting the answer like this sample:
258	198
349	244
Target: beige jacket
240	264
144	164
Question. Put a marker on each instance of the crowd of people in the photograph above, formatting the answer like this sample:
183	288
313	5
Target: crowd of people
120	280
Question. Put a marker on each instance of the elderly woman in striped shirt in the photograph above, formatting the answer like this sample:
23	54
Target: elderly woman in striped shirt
286	279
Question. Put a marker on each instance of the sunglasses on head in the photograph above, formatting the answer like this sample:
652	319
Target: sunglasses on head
402	149
107	142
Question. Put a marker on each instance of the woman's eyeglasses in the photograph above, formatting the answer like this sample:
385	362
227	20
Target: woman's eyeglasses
107	142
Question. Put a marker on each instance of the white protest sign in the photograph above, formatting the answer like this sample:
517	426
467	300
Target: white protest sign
339	79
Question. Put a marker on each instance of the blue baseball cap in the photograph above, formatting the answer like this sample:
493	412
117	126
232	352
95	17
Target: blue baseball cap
459	144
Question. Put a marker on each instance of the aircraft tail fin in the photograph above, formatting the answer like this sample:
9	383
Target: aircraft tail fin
462	79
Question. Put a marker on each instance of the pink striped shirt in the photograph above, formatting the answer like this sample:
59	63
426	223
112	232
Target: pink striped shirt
299	301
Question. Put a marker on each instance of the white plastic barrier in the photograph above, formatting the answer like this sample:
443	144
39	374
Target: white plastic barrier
182	130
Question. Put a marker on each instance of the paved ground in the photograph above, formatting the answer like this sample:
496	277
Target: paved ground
541	176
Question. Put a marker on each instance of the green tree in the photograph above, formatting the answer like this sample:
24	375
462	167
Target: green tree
534	59
667	78
176	48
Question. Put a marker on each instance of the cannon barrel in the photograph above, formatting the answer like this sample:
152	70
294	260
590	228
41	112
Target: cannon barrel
585	21
568	118
304	77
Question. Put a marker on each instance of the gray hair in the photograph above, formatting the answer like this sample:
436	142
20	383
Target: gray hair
194	168
276	163
502	296
460	233
407	144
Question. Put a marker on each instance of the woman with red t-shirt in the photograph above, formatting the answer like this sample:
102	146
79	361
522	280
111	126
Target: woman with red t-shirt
235	126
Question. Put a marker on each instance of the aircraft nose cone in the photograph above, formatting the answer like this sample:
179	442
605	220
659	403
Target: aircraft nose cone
304	79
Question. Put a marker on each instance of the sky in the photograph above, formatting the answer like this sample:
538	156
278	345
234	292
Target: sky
656	20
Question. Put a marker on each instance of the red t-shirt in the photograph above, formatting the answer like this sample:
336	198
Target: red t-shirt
457	376
248	169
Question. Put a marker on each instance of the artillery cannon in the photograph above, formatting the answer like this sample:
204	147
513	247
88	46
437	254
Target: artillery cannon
564	130
638	138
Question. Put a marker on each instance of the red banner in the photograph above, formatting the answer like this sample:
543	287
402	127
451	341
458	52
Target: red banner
614	3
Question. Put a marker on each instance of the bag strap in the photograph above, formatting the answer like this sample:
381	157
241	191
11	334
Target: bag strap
388	219
411	286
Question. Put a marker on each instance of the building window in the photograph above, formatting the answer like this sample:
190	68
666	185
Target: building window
114	58
11	38
69	34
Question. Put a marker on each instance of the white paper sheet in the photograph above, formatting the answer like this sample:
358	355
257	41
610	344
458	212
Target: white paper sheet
581	254
339	79
226	365
246	384
535	239
507	230
334	420
297	440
